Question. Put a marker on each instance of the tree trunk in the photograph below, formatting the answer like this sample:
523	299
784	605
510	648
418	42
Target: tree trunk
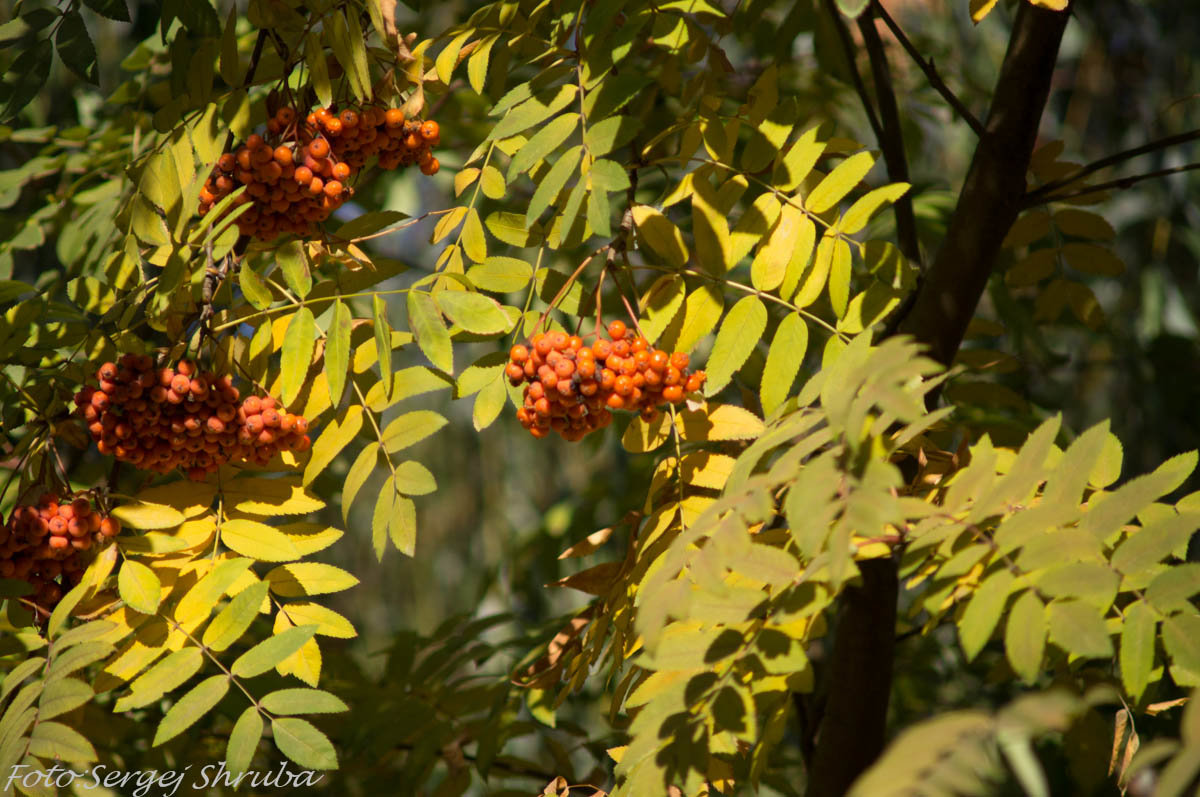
852	730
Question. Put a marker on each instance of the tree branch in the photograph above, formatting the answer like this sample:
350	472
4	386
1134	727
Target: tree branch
994	188
848	51
931	73
892	142
853	727
1111	160
1124	182
854	723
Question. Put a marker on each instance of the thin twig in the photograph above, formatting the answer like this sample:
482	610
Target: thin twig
1113	160
931	73
848	50
1124	182
892	142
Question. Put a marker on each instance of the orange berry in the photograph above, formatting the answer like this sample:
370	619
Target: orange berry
430	167
623	385
333	126
616	330
316	186
602	349
394	117
515	373
302	175
429	130
318	148
673	394
615	401
659	360
333	188
349	118
186	367
679	360
110	527
564	368
518	353
542	345
285	115
341	171
283	155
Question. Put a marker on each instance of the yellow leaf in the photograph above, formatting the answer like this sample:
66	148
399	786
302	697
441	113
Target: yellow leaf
1053	5
706	469
663	237
329	623
258	496
710	229
305	663
721	422
839	182
188	497
642	436
980	9
701	312
813	281
143	515
771	262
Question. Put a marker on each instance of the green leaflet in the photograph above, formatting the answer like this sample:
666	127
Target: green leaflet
784	359
1025	636
243	740
552	184
660	305
1137	647
139	587
545	141
360	471
983	612
271	651
701	312
534	111
165	676
409	428
337	351
303	743
302	701
432	337
474	312
232	621
740	332
191	707
489	403
298	344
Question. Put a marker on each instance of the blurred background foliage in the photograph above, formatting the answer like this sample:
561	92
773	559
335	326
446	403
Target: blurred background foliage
509	504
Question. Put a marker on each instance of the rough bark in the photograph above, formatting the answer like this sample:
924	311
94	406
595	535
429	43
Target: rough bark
853	727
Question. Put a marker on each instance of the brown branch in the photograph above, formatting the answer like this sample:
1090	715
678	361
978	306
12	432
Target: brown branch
848	51
994	188
1124	182
931	73
1111	160
892	142
854	722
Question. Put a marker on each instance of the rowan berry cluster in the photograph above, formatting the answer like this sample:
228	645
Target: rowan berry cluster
571	388
45	543
160	419
298	174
